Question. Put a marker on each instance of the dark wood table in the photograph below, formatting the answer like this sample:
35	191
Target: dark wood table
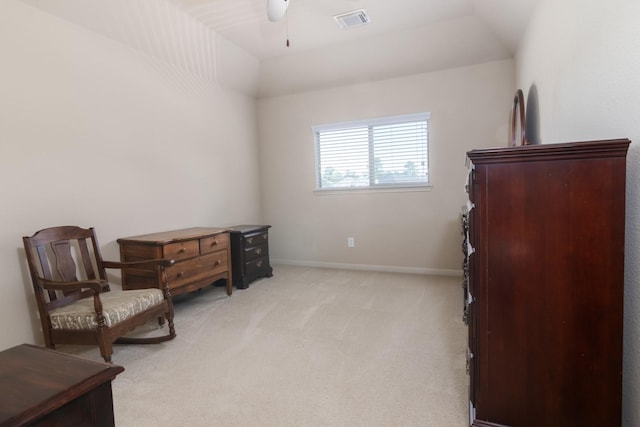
42	387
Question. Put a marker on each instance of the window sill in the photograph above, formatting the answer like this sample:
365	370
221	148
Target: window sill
395	189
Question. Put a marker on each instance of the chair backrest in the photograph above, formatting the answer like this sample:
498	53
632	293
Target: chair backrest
65	254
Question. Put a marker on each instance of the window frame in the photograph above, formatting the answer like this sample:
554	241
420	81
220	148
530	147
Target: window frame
379	121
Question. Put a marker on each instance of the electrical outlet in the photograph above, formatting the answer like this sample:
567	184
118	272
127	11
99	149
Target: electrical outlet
351	242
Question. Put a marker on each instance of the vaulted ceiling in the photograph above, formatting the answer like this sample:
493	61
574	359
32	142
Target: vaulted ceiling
310	24
404	36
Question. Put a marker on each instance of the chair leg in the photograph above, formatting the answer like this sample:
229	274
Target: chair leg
172	329
106	346
169	316
48	342
106	350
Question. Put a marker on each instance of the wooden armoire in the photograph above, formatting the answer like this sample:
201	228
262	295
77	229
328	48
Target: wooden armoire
544	302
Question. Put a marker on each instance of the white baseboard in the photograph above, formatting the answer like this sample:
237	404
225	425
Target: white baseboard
369	267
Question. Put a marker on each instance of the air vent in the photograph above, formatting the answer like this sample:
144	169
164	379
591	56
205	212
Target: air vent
352	19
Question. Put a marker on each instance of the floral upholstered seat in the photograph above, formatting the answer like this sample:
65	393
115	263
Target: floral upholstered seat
116	307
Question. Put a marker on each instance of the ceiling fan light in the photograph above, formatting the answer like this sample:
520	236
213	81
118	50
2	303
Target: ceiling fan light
276	9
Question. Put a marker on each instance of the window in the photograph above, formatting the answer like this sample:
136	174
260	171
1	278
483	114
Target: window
379	153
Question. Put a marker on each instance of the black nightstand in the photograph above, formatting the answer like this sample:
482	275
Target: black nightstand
249	254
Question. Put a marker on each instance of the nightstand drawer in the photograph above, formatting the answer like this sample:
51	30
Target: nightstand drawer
255	252
256	267
256	239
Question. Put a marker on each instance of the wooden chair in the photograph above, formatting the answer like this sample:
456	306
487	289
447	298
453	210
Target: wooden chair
74	298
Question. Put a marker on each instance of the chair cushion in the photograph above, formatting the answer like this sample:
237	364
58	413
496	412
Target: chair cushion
116	307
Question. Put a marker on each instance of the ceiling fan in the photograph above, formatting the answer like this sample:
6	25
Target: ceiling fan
276	9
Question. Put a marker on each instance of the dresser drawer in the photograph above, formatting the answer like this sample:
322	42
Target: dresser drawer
214	243
197	269
256	239
181	250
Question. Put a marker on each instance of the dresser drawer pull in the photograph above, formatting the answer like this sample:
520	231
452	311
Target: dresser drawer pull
218	262
214	243
180	274
258	251
259	263
249	240
182	250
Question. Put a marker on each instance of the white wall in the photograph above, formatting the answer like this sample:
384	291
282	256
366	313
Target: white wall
581	61
417	231
94	133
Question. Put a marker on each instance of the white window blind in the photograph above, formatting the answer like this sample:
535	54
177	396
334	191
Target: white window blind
377	153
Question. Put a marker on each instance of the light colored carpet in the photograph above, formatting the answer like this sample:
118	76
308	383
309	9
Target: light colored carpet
307	347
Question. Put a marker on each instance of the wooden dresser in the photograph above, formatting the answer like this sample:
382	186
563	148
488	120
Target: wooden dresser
202	255
546	284
250	254
42	387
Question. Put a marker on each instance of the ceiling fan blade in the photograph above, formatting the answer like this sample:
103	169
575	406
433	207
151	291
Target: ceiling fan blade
276	9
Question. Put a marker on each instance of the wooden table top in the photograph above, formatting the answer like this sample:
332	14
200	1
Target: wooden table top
166	237
36	380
